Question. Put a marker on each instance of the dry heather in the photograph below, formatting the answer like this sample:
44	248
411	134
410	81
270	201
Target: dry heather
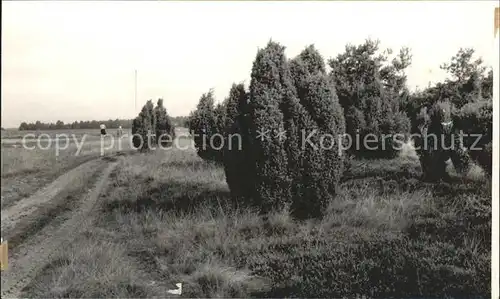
167	217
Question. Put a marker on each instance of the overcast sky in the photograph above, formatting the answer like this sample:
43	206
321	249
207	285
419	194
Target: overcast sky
76	60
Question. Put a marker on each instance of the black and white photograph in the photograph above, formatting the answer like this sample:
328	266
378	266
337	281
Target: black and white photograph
250	149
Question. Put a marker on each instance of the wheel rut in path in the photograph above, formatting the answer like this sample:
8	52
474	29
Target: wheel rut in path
26	206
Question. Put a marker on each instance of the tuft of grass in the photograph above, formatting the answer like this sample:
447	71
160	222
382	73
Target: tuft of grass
89	268
212	280
476	173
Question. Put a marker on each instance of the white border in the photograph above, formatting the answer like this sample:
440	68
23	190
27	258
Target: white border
495	180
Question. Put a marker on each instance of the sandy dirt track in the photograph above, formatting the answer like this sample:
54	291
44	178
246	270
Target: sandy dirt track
33	254
26	206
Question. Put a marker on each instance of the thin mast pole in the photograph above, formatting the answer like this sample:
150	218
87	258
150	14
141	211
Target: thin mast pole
135	97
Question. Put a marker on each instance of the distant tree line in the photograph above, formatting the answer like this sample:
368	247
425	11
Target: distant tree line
178	121
93	124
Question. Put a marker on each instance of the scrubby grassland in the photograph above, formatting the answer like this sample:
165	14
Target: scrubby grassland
25	171
167	217
19	158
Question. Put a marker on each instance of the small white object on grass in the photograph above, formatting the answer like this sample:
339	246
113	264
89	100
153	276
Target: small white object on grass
178	291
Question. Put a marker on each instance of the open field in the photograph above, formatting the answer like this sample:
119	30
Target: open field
30	165
14	138
24	170
16	134
166	217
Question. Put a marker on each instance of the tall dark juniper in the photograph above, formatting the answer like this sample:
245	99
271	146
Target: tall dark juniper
150	124
164	130
285	106
203	126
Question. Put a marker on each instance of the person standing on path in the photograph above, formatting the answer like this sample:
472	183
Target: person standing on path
103	129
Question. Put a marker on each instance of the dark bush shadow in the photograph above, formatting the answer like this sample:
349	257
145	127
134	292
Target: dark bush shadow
368	170
109	159
383	179
192	164
182	197
408	178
